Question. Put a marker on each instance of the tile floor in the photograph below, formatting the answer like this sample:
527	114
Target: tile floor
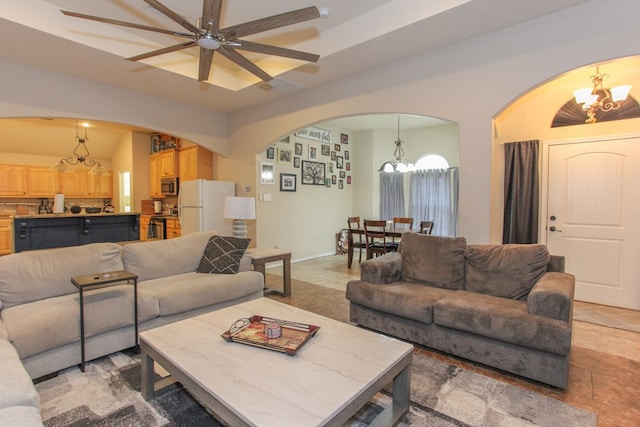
605	362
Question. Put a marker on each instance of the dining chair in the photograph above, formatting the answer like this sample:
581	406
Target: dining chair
400	222
426	227
376	238
354	224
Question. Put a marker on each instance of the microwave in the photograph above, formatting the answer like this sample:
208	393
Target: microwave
169	186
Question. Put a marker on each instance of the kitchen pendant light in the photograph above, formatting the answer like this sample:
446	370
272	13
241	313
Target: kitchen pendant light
80	154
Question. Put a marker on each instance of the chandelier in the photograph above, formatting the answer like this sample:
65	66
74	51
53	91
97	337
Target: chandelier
398	164
599	97
81	152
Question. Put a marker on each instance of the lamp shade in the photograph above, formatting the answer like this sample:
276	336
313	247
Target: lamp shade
239	207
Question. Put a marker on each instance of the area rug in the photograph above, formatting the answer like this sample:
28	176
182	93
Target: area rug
108	394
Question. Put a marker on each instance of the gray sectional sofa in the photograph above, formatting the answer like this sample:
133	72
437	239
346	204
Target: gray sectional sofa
505	306
39	314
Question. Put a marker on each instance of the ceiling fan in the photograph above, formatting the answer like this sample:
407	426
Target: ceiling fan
210	38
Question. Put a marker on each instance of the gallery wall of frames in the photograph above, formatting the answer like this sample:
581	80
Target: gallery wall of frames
309	156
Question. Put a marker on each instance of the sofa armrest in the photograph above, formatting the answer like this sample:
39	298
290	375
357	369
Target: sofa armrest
245	263
382	270
552	296
556	263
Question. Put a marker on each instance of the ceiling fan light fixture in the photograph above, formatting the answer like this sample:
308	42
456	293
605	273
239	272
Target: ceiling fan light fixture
208	42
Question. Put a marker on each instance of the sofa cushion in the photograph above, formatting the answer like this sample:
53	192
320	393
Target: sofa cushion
23	416
433	260
162	258
188	291
222	255
408	300
35	275
46	324
16	387
502	319
508	271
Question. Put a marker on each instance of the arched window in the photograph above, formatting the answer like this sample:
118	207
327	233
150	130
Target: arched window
432	161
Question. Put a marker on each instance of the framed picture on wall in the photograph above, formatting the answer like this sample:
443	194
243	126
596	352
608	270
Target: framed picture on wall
267	173
326	150
288	181
284	155
296	162
313	152
313	173
271	151
298	148
344	138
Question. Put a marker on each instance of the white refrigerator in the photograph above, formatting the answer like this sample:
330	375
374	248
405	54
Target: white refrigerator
201	206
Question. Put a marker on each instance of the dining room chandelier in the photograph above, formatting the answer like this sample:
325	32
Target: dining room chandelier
80	154
398	164
600	98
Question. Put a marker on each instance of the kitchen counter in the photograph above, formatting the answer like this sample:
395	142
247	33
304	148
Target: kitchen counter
58	230
70	215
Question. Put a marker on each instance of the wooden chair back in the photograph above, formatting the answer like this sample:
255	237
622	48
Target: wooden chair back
375	237
426	227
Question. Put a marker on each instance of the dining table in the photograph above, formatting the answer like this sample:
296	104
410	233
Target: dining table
389	232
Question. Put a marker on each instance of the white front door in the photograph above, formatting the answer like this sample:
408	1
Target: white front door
593	218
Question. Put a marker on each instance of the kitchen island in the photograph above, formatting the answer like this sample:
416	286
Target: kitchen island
59	230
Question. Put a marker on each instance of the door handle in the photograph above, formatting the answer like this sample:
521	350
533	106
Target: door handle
552	228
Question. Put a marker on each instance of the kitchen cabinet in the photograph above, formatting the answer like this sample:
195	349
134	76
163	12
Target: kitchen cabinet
41	182
155	185
173	228
161	165
5	235
13	180
167	163
100	186
144	226
73	184
195	162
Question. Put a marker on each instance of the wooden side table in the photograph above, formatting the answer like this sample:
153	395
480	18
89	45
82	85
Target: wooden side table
103	280
261	256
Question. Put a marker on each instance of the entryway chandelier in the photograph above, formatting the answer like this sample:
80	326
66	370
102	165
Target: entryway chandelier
398	164
81	152
599	97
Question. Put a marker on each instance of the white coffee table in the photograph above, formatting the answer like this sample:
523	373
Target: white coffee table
330	378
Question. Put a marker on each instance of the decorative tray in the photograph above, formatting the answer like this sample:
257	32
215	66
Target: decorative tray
288	337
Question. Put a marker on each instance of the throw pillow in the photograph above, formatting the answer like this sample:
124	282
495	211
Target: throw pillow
222	255
508	271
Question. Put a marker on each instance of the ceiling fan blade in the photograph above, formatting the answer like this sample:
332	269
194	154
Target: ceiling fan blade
164	50
274	50
204	66
211	11
245	63
174	16
125	24
271	22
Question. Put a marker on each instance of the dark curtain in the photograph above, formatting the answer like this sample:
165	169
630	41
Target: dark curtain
521	192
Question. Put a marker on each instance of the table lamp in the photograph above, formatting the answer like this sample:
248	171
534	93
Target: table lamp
239	209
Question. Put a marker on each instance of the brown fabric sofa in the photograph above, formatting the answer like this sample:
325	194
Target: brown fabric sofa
505	306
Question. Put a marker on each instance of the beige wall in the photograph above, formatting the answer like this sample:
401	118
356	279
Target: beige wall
468	83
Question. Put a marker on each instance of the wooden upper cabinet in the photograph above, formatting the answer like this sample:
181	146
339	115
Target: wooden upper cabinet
155	186
168	163
13	180
195	162
100	185
41	182
74	183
